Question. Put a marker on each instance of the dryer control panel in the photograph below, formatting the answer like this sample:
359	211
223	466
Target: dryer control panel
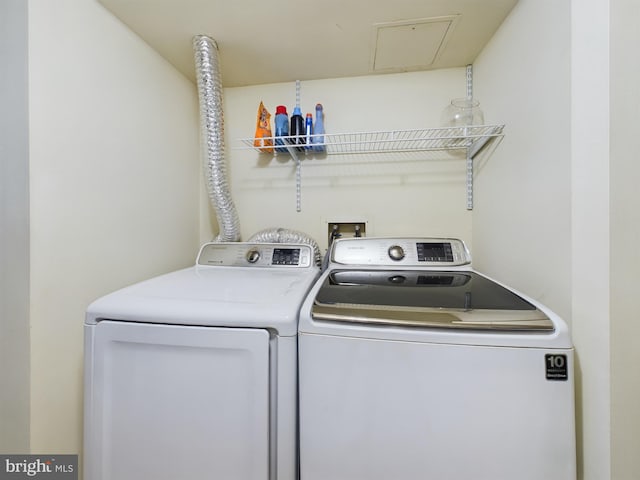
408	252
236	254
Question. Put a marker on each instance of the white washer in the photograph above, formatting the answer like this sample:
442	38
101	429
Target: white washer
193	374
415	367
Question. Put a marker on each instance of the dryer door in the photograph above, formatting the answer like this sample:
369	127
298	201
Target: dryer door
168	402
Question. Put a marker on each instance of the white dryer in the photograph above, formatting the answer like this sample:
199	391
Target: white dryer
413	366
193	374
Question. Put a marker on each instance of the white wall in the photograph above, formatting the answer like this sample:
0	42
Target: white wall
590	223
14	229
114	189
625	238
546	188
395	194
521	222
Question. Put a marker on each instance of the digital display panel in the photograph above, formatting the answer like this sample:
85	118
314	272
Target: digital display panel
435	252
286	256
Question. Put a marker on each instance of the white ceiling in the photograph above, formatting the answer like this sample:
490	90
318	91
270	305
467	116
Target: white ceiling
286	40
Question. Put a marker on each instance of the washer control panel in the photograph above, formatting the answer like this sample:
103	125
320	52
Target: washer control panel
408	252
236	254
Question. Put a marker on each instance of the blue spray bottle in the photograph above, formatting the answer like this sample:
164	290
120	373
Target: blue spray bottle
318	138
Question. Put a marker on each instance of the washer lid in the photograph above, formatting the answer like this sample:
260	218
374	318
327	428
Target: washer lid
433	299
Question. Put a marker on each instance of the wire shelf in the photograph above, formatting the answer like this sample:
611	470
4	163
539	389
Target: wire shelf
471	138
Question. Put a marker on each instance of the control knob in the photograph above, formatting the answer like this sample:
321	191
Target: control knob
396	253
253	256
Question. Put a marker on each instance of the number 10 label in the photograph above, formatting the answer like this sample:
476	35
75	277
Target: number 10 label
556	365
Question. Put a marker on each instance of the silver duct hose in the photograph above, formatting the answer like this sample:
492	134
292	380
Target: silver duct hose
282	235
212	137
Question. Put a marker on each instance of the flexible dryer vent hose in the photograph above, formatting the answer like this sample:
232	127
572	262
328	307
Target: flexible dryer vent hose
212	137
